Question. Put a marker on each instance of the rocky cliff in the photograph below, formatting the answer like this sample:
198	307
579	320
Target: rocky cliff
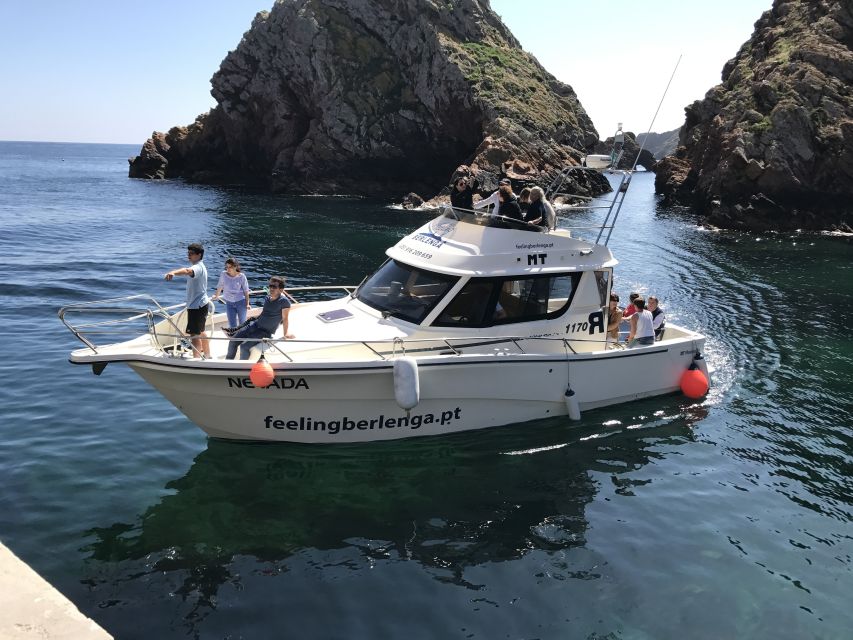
772	146
660	145
375	97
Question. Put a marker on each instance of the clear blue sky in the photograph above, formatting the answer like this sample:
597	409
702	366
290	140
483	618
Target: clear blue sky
114	71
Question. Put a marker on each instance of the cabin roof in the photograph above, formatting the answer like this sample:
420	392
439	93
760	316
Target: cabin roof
470	246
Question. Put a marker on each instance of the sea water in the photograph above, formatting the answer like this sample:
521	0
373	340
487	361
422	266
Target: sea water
728	517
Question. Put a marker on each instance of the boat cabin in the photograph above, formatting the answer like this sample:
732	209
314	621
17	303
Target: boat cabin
464	271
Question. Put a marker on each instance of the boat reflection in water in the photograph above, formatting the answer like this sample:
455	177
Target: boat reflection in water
244	512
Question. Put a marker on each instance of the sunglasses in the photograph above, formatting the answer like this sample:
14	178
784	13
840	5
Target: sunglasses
273	286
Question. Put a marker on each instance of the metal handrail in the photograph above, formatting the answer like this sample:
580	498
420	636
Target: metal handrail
615	204
159	312
441	343
95	306
412	344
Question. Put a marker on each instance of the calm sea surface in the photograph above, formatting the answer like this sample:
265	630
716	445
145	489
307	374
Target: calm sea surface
728	518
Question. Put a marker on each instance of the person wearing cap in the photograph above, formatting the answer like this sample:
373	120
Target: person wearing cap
494	199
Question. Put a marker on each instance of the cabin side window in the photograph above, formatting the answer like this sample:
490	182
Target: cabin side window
473	306
403	291
602	279
484	302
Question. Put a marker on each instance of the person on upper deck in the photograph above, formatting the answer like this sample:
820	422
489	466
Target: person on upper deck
509	204
276	310
524	201
658	317
462	192
494	199
642	331
541	212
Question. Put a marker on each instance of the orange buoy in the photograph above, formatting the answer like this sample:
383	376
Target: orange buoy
694	384
262	374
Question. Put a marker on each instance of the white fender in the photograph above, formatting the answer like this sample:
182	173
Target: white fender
572	404
407	386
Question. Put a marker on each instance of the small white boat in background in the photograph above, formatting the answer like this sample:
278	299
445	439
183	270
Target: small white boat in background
596	161
600	161
473	321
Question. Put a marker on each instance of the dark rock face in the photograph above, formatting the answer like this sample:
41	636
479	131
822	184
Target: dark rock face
772	146
375	97
151	163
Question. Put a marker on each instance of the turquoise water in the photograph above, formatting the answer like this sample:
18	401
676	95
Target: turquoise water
726	518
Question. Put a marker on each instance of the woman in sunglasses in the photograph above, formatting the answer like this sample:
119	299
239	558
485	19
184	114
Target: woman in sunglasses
462	192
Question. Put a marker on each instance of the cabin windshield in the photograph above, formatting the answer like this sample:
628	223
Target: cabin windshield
403	291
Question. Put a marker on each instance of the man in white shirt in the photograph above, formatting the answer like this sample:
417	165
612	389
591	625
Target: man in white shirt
493	199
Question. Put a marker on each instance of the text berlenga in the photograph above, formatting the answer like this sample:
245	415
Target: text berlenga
348	424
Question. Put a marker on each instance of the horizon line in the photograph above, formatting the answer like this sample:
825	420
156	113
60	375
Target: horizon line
71	142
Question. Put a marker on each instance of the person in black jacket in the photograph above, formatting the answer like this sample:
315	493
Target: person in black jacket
524	201
658	317
509	203
462	192
540	212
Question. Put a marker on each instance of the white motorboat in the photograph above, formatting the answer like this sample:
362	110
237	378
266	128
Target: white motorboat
473	321
603	161
597	161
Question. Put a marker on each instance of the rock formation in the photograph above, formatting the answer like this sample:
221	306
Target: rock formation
772	146
376	97
660	145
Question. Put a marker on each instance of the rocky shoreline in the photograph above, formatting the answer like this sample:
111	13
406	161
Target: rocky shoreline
771	147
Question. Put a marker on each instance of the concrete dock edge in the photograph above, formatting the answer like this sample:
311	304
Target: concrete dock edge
31	608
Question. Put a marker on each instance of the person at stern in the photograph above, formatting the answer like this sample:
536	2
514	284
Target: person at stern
642	325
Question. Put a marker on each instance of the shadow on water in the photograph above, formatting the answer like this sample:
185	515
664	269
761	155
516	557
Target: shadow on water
447	504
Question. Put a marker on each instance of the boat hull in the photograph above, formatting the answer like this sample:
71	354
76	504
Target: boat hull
348	402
